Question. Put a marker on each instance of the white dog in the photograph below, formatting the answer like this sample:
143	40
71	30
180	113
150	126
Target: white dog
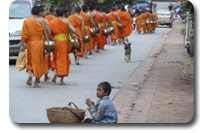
127	51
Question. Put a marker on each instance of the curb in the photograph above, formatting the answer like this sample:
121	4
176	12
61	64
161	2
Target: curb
126	98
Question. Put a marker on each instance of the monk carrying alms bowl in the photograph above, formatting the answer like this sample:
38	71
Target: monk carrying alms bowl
49	47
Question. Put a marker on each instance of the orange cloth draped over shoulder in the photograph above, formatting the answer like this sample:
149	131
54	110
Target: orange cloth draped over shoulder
32	35
61	60
87	46
106	20
99	37
49	18
77	23
138	23
126	22
113	18
143	24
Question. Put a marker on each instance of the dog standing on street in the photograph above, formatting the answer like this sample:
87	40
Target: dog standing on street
127	51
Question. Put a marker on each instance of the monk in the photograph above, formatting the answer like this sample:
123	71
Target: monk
32	35
107	23
114	19
94	18
50	18
78	23
138	23
99	37
126	21
52	15
157	20
143	17
148	20
88	24
154	20
151	22
60	29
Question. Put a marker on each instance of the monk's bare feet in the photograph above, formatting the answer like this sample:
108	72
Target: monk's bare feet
62	83
77	60
54	78
29	81
47	77
36	84
90	53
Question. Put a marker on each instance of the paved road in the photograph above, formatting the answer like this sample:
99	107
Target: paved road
28	104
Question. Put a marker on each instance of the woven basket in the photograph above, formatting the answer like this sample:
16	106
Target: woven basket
65	115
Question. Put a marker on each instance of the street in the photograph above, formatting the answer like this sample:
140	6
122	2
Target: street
29	104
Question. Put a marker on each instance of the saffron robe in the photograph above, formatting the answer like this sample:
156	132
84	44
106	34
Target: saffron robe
138	23
126	22
61	60
143	17
77	23
99	37
32	35
87	46
113	18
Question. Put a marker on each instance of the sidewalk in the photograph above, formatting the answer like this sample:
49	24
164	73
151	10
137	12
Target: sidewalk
161	90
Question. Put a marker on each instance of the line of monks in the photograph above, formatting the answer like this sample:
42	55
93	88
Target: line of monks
61	30
146	21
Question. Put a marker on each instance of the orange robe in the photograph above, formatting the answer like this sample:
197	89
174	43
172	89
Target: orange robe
151	19
138	23
93	39
113	18
143	23
76	22
61	59
148	19
106	21
87	46
99	37
32	35
157	20
49	18
126	22
48	57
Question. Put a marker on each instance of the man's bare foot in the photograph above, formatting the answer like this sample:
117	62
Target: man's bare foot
36	84
29	81
90	53
54	78
62	83
47	77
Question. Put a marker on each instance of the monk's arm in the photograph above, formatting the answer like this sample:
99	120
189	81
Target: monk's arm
91	20
118	18
47	27
83	25
104	23
109	21
96	22
71	27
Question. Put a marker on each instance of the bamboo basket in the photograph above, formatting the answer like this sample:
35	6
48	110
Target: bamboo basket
65	114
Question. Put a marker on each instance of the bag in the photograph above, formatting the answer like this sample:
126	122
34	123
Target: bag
21	62
65	114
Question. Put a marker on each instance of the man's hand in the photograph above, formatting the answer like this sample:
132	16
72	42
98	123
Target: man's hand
89	102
